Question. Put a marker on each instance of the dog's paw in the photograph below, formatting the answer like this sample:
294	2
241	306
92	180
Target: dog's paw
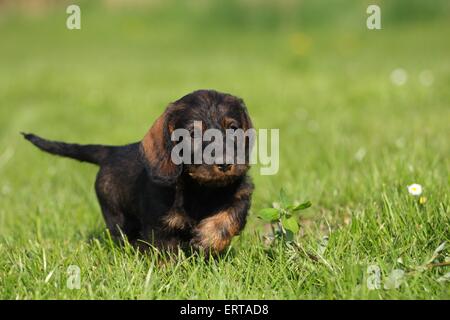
214	234
177	220
208	244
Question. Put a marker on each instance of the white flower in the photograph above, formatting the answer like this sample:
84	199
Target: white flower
399	77
415	189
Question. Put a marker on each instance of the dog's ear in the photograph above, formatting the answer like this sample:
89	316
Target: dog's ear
247	125
246	121
156	147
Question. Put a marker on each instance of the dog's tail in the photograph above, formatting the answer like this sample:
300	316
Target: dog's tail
91	153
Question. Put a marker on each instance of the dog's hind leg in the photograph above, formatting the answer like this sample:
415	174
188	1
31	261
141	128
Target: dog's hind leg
119	223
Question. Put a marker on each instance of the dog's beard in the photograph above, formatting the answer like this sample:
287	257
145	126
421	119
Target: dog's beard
210	175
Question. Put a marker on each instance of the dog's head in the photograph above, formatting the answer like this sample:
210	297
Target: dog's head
211	109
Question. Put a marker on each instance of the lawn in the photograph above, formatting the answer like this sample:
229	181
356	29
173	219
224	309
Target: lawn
352	139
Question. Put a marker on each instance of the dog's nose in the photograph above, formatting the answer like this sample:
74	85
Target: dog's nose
224	167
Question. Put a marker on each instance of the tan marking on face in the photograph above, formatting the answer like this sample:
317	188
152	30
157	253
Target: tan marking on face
227	122
210	174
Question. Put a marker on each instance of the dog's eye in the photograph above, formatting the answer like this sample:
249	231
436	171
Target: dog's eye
233	126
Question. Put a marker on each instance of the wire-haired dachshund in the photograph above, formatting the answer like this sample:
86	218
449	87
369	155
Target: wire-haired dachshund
149	199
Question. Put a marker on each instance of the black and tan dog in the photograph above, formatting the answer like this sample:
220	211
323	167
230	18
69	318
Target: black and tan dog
145	196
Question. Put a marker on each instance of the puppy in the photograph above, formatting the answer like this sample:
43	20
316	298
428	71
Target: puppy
150	200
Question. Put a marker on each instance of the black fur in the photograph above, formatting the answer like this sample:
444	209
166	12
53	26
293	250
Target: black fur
194	205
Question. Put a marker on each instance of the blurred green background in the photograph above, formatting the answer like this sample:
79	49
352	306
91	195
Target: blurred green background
348	131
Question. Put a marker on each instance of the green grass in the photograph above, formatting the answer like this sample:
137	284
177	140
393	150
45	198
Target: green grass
316	74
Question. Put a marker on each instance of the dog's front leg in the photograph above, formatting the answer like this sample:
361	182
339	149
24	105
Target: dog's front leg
176	218
214	234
